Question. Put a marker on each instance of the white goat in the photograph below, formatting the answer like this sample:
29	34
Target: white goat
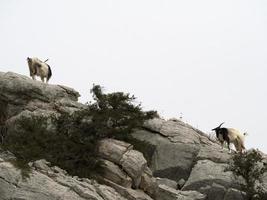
230	135
39	68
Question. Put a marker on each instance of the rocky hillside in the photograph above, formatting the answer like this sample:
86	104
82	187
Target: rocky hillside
165	160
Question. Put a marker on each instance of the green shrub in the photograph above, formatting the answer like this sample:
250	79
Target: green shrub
28	141
250	166
108	116
116	113
72	145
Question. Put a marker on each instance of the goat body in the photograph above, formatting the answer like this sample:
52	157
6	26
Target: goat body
39	68
230	135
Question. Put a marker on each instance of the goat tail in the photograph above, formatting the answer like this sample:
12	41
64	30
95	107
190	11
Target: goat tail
49	73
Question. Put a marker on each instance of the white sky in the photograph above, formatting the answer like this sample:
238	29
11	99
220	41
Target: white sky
204	59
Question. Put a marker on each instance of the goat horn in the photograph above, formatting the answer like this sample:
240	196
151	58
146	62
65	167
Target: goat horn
46	60
217	127
220	125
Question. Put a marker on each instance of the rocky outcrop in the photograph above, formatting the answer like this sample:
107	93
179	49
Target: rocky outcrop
176	147
205	173
166	160
124	171
131	163
133	181
20	93
22	97
188	157
126	160
49	183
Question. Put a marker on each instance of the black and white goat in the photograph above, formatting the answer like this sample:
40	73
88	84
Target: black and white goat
39	68
230	135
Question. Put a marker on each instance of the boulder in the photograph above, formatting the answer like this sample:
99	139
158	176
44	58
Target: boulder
169	159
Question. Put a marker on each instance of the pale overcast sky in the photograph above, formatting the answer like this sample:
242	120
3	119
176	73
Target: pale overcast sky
204	59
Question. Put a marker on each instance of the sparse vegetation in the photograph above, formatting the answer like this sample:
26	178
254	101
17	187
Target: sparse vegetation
71	145
251	167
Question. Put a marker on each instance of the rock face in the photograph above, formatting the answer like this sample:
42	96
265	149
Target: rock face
21	93
176	147
22	97
122	154
125	174
166	160
188	157
49	183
